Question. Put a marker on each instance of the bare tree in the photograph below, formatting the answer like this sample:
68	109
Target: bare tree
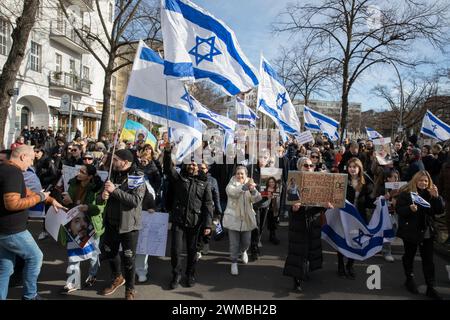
135	19
357	34
305	73
20	33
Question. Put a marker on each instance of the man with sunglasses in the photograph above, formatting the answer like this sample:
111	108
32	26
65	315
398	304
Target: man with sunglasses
75	157
89	158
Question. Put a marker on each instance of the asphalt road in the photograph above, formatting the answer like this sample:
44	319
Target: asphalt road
260	280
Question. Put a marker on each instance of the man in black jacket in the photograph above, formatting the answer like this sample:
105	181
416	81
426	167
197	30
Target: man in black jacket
189	202
124	192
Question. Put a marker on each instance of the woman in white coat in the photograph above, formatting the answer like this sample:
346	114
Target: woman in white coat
239	217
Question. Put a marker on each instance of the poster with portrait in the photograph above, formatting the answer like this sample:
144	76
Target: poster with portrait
271	173
316	189
79	228
383	151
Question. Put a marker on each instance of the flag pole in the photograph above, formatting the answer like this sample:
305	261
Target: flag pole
116	140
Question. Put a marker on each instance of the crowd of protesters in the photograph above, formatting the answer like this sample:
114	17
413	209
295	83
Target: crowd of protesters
200	197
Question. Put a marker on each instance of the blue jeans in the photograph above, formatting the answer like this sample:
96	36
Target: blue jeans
23	245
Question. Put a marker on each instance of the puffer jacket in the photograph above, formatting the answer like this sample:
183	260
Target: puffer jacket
239	214
189	198
124	201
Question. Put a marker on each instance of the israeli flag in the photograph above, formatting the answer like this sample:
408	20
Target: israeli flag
244	113
273	100
419	200
75	253
435	128
166	102
373	134
316	121
135	181
347	232
199	46
204	114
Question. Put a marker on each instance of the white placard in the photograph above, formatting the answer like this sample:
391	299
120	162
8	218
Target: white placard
394	185
381	141
153	235
305	137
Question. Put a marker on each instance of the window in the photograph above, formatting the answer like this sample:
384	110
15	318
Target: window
85	73
72	66
35	56
58	62
60	21
4	36
111	12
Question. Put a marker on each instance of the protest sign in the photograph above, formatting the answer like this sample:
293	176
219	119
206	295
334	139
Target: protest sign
153	235
316	189
270	172
383	151
53	221
305	137
79	227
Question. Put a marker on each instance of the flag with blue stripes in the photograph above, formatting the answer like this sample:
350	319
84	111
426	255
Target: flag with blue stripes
419	200
373	134
204	113
76	254
274	101
199	46
135	181
153	97
347	232
244	113
316	121
434	127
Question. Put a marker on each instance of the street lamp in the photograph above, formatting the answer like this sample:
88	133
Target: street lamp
402	98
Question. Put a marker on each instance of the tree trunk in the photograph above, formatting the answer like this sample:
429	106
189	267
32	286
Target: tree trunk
19	35
344	106
106	113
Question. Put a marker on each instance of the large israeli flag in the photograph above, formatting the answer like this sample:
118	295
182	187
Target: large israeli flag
244	113
347	232
199	46
316	121
373	134
151	96
273	100
435	128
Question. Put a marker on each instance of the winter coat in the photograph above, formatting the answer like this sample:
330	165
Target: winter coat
46	171
215	194
305	246
413	225
189	198
413	168
239	214
124	201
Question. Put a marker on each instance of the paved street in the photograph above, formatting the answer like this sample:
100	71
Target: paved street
257	280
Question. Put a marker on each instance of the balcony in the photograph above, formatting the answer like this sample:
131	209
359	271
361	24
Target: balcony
84	5
63	33
69	83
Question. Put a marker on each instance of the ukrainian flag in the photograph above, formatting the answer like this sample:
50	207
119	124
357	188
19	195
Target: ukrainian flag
132	129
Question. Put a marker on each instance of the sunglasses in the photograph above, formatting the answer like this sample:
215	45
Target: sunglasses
314	157
308	165
88	158
74	150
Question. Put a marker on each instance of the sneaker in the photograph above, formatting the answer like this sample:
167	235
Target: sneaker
389	258
130	294
234	269
244	257
175	282
36	297
68	289
117	283
433	294
142	279
198	256
90	281
190	281
43	235
298	285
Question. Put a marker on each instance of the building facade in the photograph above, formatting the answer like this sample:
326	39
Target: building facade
58	74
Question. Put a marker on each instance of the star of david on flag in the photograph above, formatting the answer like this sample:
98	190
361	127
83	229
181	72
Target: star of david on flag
199	46
281	100
316	121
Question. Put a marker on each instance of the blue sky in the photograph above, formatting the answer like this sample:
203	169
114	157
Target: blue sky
251	21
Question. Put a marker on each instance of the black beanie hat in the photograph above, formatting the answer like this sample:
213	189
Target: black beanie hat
90	169
125	154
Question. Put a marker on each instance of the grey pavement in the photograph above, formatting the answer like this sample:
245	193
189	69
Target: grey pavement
260	280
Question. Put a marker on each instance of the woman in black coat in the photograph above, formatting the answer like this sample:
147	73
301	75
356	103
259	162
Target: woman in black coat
305	245
415	228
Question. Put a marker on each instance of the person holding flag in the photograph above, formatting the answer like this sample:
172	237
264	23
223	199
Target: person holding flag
417	204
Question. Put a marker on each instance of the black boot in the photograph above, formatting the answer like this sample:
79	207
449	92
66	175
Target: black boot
341	268
298	285
433	294
410	285
273	238
175	281
350	271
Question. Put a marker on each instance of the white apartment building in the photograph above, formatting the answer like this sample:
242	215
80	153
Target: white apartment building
57	67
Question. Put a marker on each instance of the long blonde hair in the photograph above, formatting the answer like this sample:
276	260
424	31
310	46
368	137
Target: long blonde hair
412	185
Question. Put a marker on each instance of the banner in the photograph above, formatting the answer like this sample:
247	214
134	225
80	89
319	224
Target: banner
305	137
153	235
316	189
79	227
131	131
